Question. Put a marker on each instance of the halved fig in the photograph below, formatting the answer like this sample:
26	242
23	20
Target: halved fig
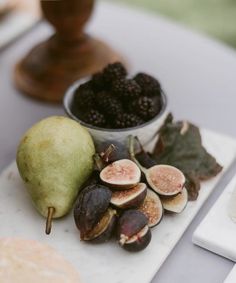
166	180
139	241
111	151
130	198
91	205
176	203
152	208
103	231
133	231
121	174
141	155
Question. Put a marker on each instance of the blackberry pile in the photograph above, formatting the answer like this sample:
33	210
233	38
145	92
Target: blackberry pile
113	101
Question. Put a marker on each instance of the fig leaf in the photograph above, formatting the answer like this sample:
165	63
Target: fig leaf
180	145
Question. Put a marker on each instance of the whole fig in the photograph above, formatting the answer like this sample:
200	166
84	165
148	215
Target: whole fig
91	205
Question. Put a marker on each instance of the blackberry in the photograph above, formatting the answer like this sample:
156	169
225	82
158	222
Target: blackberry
84	97
126	89
127	120
114	72
94	118
98	82
150	86
146	107
108	104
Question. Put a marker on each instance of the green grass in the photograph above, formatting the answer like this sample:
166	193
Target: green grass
214	17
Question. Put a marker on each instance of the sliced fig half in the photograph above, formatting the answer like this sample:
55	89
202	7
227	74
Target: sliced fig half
176	203
133	231
121	174
139	241
152	208
130	198
166	180
103	231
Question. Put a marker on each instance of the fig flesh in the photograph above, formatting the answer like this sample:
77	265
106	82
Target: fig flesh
176	204
121	174
152	208
92	203
103	231
130	198
133	231
166	180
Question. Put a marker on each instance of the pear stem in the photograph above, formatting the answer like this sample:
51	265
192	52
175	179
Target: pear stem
51	211
132	154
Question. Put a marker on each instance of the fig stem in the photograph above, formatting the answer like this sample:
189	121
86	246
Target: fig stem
105	155
99	163
132	154
51	211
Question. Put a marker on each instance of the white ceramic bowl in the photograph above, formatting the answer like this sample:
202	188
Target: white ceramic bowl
147	132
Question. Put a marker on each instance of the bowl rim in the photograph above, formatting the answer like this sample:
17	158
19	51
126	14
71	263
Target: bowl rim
69	94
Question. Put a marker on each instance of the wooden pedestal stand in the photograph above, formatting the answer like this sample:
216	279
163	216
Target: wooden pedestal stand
50	67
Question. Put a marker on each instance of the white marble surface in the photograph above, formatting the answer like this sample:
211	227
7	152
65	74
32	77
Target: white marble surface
106	262
231	278
217	232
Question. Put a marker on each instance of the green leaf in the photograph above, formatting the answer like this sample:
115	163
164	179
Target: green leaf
180	145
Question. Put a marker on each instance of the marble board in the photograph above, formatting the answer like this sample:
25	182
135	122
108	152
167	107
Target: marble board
106	262
217	232
231	278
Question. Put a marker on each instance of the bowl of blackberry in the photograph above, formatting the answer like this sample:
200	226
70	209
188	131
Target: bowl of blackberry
112	105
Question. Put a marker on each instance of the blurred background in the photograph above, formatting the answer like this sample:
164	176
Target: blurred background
216	18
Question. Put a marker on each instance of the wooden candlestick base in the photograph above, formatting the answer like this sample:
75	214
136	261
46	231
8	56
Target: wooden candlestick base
52	66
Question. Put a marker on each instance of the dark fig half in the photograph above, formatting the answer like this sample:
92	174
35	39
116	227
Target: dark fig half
91	205
141	155
111	151
166	180
139	241
130	198
103	231
130	223
121	174
152	208
176	204
133	231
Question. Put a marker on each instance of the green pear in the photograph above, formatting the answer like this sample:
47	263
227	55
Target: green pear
54	159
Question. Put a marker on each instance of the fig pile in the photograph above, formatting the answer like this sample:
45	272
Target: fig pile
124	199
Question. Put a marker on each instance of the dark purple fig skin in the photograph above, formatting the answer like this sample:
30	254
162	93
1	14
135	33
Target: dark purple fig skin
131	222
133	203
106	234
92	180
145	159
120	151
91	205
141	155
140	244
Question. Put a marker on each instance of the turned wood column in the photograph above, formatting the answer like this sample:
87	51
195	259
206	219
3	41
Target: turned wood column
69	54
